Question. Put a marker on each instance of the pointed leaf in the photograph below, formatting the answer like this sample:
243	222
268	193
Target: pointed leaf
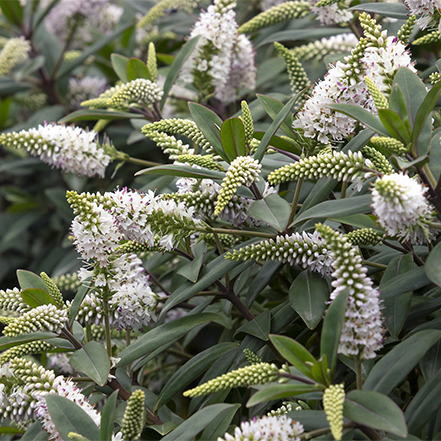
397	103
397	363
108	417
93	114
183	171
409	281
10	342
394	125
273	210
209	124
433	265
220	424
28	279
93	361
279	143
136	69
293	352
191	270
179	60
308	295
69	417
259	327
375	410
362	115
233	138
79	296
36	297
119	64
35	433
13	11
332	326
394	10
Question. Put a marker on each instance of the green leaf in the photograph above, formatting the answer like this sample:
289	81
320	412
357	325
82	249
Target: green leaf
209	124
40	14
11	430
28	279
93	114
259	327
10	342
198	422
397	103
394	125
359	141
279	143
332	326
375	410
119	64
274	391
190	371
339	207
233	138
433	265
409	281
267	272
162	334
273	210
68	417
93	361
220	424
79	296
357	220
35	433
179	60
191	270
396	308
183	171
273	107
13	11
108	417
308	295
302	34
293	352
396	364
393	10
310	419
362	115
36	297
136	69
281	117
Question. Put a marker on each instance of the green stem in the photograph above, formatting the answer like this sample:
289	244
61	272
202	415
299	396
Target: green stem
107	323
429	175
294	202
239	232
359	377
344	187
318	432
435	225
71	338
374	264
120	156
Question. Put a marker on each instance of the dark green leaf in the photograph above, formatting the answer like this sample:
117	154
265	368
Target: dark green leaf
10	342
259	327
310	419
396	308
13	11
424	405
362	115
11	430
274	391
191	270
273	107
397	363
35	433
281	117
42	12
28	279
183	171
308	295
119	64
162	334
332	326
179	60
198	422
69	417
409	281
397	103
302	34
209	124
220	424
359	141
357	220
190	371
93	361
108	417
36	297
233	138
394	10
279	143
375	410
339	207
268	271
319	193
293	352
433	265
136	69
273	210
93	114
79	296
394	125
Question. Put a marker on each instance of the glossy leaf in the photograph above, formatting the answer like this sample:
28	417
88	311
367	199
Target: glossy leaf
28	279
409	281
136	69
273	210
36	297
35	433
198	422
301	34
107	417
393	10
12	11
397	103
179	60
94	114
268	271
357	220
93	361
293	352
233	138
192	269
119	64
273	107
433	265
76	303
183	171
220	424
259	327
308	295
375	410
394	125
331	331
398	362
69	417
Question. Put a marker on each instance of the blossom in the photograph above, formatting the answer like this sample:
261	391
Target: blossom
401	207
14	52
330	14
72	149
267	428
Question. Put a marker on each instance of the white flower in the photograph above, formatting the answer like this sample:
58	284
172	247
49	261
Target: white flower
331	14
267	428
401	207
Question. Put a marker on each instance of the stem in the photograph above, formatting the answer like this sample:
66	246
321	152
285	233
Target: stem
435	225
126	158
283	152
430	175
374	264
107	324
296	377
294	202
158	284
358	372
71	338
318	432
256	192
344	187
232	297
239	232
65	47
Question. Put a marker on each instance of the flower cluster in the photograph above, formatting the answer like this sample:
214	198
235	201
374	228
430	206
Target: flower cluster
401	208
132	422
11	300
303	249
259	373
335	12
243	170
72	149
363	236
139	91
267	428
428	10
333	400
33	347
170	145
14	52
362	333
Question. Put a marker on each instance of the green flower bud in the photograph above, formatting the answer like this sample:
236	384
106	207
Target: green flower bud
133	419
333	400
